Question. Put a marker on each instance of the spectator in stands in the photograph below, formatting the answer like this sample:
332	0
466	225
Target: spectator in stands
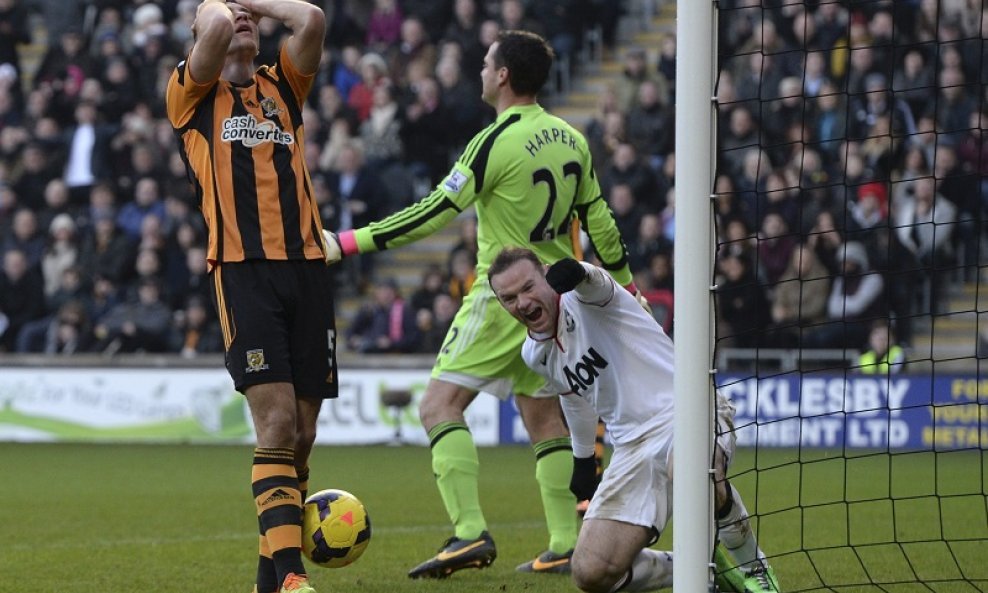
69	331
646	242
467	240
650	125
106	251
414	47
462	273
61	252
737	138
604	139
194	330
25	237
346	72
139	324
14	31
433	14
870	209
912	81
800	298
384	28
562	22
432	285
424	134
34	174
434	322
961	187
875	102
781	194
924	223
464	30
22	297
635	71
626	168
120	93
829	120
742	305
463	106
147	202
883	356
666	65
826	239
87	146
857	298
625	209
381	131
775	246
954	105
64	66
373	74
56	202
513	16
386	325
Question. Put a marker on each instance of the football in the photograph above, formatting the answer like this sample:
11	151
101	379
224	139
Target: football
335	528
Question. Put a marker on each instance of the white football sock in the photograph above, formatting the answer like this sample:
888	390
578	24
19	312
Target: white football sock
735	533
650	570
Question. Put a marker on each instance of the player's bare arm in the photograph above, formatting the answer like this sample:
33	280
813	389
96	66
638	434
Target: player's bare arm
213	30
307	23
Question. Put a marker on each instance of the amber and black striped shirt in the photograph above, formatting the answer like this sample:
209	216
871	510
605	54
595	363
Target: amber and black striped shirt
243	147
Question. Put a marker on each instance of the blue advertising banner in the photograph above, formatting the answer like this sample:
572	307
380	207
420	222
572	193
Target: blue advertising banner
860	411
855	411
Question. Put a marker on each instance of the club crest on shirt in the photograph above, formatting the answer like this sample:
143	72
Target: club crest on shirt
270	107
255	361
455	182
568	320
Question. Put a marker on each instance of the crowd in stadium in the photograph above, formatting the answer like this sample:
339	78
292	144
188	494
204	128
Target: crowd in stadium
859	141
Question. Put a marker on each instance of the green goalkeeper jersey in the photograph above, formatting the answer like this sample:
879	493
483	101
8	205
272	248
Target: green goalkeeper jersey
528	174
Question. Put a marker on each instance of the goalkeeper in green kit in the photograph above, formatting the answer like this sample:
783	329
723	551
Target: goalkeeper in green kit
528	174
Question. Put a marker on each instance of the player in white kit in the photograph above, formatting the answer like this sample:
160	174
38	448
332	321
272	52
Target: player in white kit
593	343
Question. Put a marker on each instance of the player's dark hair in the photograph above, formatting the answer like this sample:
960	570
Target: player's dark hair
507	257
528	59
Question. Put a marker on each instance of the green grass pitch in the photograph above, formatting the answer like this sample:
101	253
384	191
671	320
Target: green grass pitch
119	519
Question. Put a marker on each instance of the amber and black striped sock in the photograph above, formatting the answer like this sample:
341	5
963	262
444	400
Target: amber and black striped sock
279	513
267	577
303	482
598	447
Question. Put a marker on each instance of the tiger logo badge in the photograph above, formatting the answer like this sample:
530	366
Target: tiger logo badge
255	361
270	107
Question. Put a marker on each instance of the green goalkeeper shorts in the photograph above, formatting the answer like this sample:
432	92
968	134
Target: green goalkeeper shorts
482	349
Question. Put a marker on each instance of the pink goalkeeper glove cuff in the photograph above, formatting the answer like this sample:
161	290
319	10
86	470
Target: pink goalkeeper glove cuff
348	243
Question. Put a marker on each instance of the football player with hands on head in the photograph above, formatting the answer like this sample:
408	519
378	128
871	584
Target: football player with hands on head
528	174
240	133
594	344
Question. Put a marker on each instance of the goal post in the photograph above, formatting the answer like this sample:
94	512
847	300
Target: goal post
693	443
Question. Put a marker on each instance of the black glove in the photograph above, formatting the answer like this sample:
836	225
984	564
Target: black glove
565	274
584	481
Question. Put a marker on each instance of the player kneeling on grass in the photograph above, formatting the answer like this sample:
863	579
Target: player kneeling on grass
594	343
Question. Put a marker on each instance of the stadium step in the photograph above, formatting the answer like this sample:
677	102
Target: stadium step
949	340
579	106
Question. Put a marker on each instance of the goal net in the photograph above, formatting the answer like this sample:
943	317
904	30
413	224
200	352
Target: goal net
849	198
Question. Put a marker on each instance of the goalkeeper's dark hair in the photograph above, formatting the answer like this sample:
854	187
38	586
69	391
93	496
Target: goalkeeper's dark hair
528	59
508	257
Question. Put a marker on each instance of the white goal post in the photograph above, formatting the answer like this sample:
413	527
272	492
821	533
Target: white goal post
695	157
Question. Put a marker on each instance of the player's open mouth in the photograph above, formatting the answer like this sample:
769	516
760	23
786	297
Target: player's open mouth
243	29
534	314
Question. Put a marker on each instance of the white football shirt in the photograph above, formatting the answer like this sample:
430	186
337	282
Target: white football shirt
611	354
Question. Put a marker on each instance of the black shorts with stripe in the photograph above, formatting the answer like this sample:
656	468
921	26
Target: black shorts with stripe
279	324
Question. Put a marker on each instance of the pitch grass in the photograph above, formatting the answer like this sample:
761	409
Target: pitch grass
120	519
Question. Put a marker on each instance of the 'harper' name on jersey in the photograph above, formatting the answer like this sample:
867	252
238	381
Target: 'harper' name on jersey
549	136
